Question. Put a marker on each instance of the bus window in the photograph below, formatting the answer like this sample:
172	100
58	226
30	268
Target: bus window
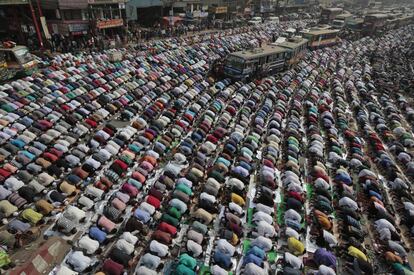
263	60
249	65
235	62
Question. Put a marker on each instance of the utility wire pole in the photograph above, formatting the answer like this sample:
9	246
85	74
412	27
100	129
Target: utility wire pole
36	24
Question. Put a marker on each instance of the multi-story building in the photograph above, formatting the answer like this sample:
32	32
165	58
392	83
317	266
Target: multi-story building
226	8
66	17
79	17
16	20
107	16
144	12
262	7
150	12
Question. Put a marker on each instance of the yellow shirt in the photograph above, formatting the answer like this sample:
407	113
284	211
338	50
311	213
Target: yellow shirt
31	216
237	199
355	252
296	246
234	240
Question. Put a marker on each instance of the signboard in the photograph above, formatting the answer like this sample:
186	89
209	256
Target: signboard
78	28
55	28
44	27
219	10
110	23
65	4
196	13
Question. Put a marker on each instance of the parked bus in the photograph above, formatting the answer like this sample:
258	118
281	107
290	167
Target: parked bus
405	20
296	47
341	20
273	19
321	38
329	14
255	20
260	61
17	61
375	23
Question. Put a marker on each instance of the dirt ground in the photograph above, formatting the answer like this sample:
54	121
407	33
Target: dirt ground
29	255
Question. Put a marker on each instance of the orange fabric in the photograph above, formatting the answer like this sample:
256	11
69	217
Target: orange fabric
391	257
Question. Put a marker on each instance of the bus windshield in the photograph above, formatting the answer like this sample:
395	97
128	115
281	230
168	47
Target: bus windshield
235	62
23	55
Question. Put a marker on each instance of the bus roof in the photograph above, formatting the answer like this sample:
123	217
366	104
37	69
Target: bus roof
333	9
293	43
343	15
320	32
259	52
15	48
377	15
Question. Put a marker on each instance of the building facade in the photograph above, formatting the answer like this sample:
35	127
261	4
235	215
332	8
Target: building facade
148	13
78	17
66	17
16	21
107	16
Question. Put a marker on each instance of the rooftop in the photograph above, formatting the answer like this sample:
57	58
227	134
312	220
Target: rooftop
293	43
333	9
378	15
259	52
319	32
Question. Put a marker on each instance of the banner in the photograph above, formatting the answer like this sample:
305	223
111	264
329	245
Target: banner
44	27
110	23
221	10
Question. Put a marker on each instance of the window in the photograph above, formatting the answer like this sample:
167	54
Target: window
235	62
72	14
263	60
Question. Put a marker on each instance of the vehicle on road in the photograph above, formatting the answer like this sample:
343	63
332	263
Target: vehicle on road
273	19
321	38
259	61
16	61
255	20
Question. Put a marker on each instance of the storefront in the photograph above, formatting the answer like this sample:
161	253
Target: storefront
74	28
109	23
219	12
16	22
110	27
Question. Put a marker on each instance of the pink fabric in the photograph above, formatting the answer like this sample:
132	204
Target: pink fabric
118	204
130	189
106	224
